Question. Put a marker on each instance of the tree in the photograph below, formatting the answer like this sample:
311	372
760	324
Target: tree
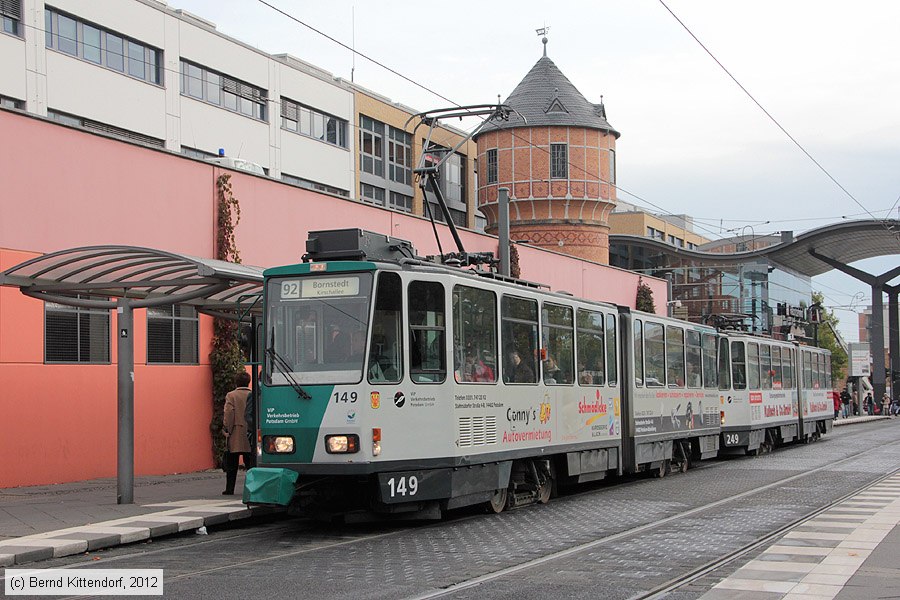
828	340
644	299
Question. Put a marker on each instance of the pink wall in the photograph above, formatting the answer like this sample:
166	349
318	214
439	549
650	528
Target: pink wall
64	188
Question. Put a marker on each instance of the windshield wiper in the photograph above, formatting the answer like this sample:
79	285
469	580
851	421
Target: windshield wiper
285	369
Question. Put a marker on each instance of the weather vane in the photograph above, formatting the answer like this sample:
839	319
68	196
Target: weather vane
543	31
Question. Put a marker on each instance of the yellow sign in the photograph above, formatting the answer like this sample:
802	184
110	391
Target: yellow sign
376	399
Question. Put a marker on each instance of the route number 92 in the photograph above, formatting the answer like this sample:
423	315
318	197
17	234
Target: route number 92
403	486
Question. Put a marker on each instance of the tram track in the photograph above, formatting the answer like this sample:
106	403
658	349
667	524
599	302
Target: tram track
675	583
328	540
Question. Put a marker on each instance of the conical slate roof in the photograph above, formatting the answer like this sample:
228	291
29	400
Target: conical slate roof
546	97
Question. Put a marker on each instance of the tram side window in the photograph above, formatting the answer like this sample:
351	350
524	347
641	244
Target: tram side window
753	366
611	345
655	354
777	371
591	348
710	369
693	358
427	347
386	344
675	356
519	331
638	333
738	366
828	372
807	371
558	366
724	365
765	366
787	360
474	334
817	371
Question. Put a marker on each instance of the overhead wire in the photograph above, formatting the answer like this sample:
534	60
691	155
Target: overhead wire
663	211
777	124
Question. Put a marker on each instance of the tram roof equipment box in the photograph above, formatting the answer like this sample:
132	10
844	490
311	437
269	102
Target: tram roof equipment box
356	244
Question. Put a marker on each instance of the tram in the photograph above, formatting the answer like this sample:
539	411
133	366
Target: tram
398	386
775	392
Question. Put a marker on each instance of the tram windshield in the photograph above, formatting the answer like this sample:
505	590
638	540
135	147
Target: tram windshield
316	328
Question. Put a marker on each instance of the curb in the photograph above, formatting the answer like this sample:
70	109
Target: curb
180	517
854	420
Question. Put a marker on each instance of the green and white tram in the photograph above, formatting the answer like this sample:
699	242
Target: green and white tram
395	385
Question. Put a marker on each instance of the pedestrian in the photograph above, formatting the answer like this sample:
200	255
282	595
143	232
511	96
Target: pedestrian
836	400
869	404
845	402
885	404
235	428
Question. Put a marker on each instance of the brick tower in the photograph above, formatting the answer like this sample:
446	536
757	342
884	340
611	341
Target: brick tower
558	164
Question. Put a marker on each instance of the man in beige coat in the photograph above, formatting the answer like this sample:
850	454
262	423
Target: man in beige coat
237	443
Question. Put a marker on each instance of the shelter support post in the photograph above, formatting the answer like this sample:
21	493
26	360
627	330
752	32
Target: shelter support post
125	385
894	337
876	335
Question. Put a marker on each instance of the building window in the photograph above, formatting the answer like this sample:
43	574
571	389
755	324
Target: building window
651	233
303	120
371	194
76	335
11	16
492	165
452	178
314	185
559	161
401	202
172	333
94	44
454	173
612	167
399	156
457	216
6	102
111	130
371	150
223	91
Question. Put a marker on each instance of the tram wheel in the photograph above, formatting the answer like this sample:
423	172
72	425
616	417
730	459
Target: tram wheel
545	491
663	469
498	500
685	465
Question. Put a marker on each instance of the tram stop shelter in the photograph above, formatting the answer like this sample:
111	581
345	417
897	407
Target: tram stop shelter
132	278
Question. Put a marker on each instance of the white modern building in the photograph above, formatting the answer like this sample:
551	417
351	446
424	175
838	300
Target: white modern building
157	75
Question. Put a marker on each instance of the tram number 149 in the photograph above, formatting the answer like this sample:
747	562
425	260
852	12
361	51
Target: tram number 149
414	486
402	486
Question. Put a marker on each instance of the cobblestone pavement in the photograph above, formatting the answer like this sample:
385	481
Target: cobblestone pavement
754	497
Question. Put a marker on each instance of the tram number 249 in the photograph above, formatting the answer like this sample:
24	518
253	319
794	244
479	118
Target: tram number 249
732	439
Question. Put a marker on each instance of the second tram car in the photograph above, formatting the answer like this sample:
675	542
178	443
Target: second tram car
398	386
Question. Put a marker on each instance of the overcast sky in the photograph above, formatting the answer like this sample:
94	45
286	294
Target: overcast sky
692	142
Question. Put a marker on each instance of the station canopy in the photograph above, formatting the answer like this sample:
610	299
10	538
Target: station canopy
844	243
93	276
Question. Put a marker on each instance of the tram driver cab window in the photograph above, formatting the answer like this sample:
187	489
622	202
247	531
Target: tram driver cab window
386	345
427	342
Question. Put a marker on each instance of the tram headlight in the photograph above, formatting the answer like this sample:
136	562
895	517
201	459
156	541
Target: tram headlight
376	441
342	444
278	444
